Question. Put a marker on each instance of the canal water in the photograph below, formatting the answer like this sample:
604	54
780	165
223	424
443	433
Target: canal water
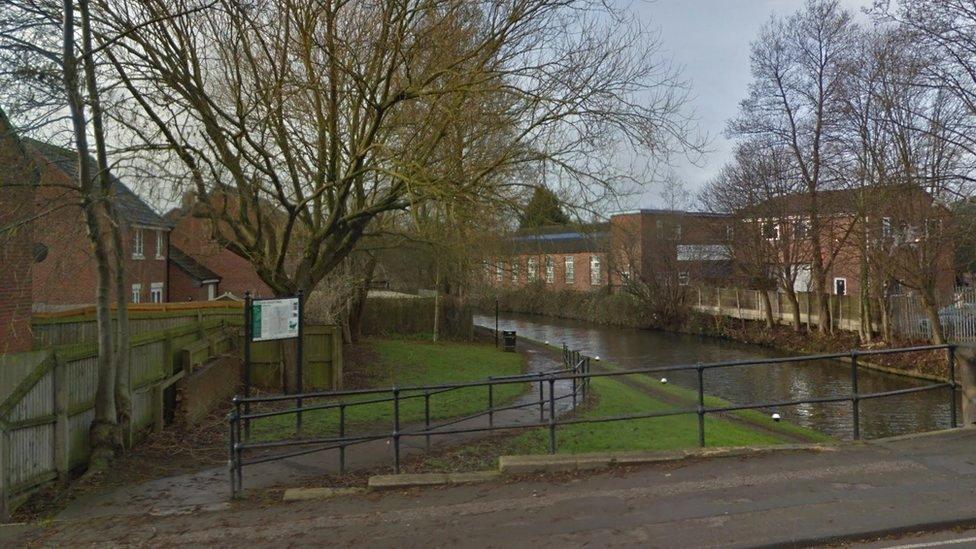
632	348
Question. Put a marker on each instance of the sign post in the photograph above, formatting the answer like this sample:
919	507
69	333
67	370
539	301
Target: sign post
271	320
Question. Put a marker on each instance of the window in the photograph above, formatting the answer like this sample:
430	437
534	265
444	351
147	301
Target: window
160	245
595	270
570	270
729	233
550	270
800	228
156	292
533	269
138	246
840	286
499	271
677	231
770	230
211	292
887	231
683	279
137	293
515	271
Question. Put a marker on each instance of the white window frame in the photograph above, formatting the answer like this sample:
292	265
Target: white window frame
836	278
684	278
136	294
775	229
596	270
532	269
570	266
515	271
499	271
160	244
550	267
138	244
156	292
887	228
211	291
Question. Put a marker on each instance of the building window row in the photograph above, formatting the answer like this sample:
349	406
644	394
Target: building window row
496	271
156	290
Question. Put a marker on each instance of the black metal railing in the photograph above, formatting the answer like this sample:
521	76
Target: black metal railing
576	373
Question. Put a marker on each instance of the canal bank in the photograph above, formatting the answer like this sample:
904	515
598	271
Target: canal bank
632	348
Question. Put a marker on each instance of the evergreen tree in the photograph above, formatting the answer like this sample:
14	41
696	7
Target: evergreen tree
543	209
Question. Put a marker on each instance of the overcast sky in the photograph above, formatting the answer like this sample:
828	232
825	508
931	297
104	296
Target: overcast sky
709	40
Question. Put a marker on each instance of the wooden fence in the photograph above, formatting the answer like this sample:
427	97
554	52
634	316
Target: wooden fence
47	396
908	319
47	401
78	325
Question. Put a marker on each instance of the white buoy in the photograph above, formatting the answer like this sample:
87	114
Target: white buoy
664	380
547	343
776	417
596	358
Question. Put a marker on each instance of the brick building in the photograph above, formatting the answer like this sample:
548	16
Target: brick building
896	226
63	275
204	269
691	246
18	185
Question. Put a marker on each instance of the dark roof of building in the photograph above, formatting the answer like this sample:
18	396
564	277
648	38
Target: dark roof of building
561	239
130	206
190	266
654	211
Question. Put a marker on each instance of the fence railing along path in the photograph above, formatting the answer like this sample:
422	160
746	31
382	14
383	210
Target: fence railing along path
577	373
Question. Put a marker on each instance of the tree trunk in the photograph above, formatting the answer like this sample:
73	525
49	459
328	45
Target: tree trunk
794	308
123	398
437	300
358	305
931	308
767	308
104	435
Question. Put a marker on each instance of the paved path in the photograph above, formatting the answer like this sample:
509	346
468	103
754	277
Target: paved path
210	488
781	498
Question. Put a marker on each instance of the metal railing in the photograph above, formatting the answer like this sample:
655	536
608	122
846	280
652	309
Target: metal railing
576	373
574	364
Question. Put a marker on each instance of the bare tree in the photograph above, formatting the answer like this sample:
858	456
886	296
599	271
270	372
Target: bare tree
799	68
300	123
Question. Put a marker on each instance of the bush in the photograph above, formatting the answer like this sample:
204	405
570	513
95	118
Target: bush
600	305
415	315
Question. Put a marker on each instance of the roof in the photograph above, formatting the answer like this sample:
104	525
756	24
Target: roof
834	201
653	211
129	205
561	239
190	266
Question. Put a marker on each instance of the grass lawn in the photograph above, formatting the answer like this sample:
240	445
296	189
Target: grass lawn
664	433
408	362
611	398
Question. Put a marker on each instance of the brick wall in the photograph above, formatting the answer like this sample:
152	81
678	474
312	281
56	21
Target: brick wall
16	255
184	287
192	235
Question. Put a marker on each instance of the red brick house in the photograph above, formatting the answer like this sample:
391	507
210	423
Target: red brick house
64	273
558	257
18	180
202	268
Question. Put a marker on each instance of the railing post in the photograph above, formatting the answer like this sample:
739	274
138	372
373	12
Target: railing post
552	415
396	430
231	462
701	405
427	418
491	402
576	367
342	435
855	398
542	401
952	387
967	376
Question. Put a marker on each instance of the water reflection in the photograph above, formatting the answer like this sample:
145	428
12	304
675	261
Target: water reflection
631	348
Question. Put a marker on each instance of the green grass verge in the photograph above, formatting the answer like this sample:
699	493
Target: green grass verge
408	362
610	398
663	433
